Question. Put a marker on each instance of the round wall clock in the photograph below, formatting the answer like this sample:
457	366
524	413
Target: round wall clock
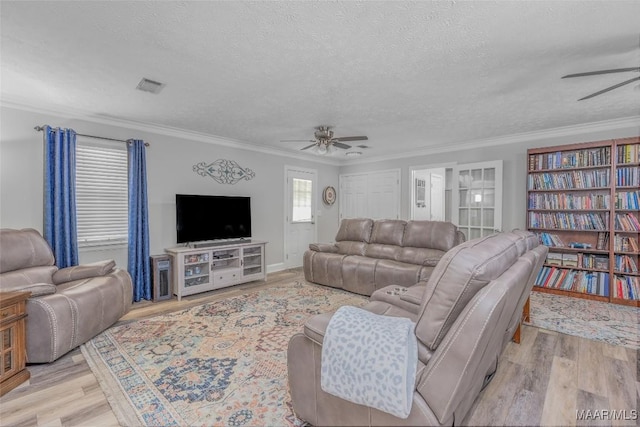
329	195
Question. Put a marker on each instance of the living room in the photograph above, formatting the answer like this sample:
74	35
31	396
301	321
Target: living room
183	135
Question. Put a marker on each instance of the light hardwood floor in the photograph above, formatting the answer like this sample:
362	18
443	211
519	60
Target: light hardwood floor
542	381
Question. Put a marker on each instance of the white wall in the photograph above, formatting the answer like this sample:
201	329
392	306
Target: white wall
170	163
514	172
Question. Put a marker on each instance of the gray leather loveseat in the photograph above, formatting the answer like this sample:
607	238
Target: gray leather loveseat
465	315
369	255
68	306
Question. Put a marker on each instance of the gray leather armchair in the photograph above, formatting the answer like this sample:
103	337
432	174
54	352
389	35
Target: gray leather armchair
67	306
464	315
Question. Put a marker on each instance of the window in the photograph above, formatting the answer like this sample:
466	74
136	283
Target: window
101	194
301	200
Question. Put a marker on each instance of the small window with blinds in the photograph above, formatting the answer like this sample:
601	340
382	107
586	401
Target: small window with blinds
101	194
302	192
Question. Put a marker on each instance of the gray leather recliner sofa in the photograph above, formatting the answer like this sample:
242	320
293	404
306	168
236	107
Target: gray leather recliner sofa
466	314
68	306
369	255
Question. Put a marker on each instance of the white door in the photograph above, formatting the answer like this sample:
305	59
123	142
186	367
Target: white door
370	195
477	198
353	197
300	224
436	197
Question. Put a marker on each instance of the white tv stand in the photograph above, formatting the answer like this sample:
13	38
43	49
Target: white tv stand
216	265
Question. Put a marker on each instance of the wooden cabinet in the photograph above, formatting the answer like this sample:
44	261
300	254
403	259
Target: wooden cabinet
217	266
582	201
13	371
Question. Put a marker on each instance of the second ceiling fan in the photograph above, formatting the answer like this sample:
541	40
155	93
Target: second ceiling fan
595	73
324	140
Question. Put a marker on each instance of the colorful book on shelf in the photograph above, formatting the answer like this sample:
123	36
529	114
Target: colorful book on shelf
580	245
603	241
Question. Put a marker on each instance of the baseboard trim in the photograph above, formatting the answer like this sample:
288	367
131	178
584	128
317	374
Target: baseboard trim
273	268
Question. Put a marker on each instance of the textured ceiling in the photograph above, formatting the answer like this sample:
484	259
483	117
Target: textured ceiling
410	75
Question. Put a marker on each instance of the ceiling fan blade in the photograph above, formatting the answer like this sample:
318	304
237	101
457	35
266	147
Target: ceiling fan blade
351	138
610	88
297	140
307	147
341	145
594	73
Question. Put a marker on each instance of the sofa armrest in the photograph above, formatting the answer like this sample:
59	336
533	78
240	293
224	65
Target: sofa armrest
83	271
414	294
36	289
323	247
316	326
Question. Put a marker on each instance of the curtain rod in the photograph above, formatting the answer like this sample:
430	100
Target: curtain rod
146	144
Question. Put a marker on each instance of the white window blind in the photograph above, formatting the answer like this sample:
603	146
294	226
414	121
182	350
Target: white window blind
301	200
101	194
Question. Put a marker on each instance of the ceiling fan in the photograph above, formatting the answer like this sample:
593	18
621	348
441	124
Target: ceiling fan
324	140
594	73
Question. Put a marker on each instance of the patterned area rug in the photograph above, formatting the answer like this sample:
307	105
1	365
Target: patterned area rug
600	321
222	363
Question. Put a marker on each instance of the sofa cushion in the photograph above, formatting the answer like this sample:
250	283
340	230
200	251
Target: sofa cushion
380	251
459	275
355	229
388	232
430	234
419	256
351	248
23	249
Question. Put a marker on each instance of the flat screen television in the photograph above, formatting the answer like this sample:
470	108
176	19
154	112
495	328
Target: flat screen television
201	217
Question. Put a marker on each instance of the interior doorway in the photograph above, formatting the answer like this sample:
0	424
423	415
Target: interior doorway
431	194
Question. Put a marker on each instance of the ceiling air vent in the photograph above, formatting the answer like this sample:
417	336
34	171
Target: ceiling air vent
147	85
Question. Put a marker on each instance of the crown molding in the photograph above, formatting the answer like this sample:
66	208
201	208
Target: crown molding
602	126
70	113
66	112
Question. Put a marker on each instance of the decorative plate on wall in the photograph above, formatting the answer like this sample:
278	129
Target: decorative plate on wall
329	195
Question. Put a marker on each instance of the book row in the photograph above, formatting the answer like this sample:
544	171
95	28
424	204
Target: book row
569	221
571	159
628	153
627	222
627	177
569	201
626	287
569	180
596	283
625	244
551	240
596	262
627	200
625	264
